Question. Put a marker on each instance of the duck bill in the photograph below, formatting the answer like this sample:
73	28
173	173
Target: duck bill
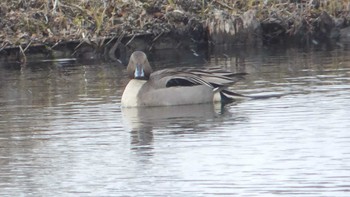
139	72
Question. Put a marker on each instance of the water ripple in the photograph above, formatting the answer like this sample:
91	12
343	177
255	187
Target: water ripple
63	133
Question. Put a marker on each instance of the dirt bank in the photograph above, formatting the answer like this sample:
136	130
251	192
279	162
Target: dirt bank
111	28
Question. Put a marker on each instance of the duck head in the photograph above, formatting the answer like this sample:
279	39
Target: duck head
139	67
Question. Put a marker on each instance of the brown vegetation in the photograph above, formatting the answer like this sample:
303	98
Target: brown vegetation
25	23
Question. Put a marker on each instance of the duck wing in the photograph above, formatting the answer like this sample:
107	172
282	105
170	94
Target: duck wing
215	78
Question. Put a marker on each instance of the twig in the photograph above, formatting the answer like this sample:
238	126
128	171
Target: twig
111	52
73	6
131	39
155	39
28	46
223	4
55	6
57	43
76	48
110	40
23	55
158	36
81	42
3	46
121	36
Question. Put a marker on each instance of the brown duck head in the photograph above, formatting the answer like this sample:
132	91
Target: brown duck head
139	67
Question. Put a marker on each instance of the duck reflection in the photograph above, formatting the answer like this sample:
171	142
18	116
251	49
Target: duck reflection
176	119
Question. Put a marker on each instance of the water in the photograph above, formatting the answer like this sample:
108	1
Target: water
63	132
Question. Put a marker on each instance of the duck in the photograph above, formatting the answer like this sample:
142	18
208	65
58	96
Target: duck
176	86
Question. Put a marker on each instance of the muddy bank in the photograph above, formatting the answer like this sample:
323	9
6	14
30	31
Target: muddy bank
113	28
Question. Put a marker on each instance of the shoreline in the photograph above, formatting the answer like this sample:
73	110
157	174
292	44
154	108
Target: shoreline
70	28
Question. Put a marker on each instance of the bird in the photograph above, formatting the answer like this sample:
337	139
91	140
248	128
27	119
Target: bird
176	86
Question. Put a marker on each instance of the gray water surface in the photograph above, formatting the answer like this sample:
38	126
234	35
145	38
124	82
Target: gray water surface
63	132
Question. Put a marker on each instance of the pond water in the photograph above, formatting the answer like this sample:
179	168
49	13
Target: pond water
63	132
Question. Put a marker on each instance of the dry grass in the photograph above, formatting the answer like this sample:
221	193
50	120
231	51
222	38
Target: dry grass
52	21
